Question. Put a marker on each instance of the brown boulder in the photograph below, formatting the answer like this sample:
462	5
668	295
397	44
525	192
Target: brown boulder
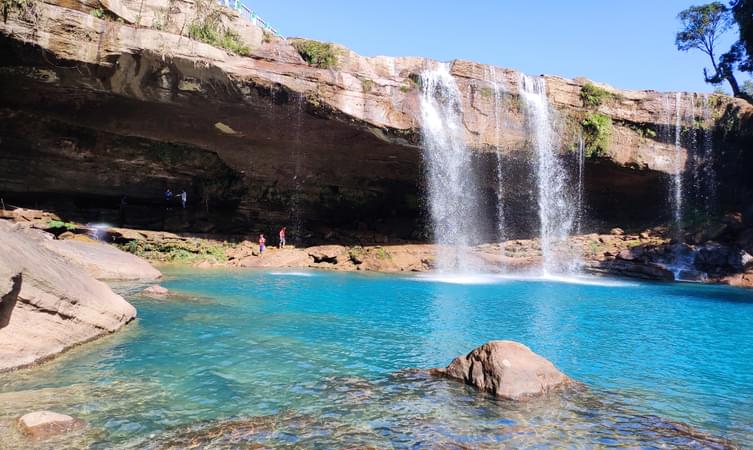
506	369
44	424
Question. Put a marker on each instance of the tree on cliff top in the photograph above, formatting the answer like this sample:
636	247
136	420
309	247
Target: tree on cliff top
742	10
702	27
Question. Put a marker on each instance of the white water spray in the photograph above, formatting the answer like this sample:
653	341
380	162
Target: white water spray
677	167
581	170
452	188
501	230
556	209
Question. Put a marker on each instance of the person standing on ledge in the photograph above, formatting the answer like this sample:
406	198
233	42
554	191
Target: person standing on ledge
183	198
262	243
282	237
168	198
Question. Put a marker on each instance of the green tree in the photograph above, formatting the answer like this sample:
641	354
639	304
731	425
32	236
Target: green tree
748	87
742	10
702	27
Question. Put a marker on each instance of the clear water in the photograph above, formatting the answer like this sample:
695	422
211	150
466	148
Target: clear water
316	360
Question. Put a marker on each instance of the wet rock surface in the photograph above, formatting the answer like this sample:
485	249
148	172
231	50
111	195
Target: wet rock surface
156	291
45	424
507	370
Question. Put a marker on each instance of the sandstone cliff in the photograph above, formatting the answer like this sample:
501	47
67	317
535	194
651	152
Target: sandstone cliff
125	104
48	304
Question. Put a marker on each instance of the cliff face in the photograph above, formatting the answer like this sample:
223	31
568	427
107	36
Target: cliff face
94	109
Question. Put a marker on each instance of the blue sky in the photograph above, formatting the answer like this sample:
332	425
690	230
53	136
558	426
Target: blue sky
628	44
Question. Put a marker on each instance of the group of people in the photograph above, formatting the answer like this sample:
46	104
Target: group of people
280	243
170	198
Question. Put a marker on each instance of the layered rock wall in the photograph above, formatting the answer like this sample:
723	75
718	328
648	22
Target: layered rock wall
96	109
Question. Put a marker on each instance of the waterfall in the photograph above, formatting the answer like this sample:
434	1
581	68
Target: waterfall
581	166
556	209
677	167
295	200
496	88
451	184
708	187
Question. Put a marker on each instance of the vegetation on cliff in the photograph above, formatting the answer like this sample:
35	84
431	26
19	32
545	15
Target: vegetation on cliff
593	96
323	55
208	27
25	8
597	129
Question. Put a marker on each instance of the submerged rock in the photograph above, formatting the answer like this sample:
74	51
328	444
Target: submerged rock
156	291
506	369
44	424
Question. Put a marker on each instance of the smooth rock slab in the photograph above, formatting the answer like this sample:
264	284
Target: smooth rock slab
44	424
506	369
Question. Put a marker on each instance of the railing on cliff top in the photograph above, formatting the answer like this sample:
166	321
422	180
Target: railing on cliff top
248	14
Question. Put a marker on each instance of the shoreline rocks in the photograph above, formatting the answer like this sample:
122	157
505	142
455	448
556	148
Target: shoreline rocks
44	424
505	369
48	304
103	261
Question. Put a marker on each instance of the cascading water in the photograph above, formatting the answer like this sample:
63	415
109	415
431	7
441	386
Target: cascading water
677	167
496	88
451	184
707	186
295	201
581	169
556	209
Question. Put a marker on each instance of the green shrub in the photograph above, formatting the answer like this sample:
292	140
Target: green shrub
59	224
99	13
486	92
207	27
367	85
593	96
597	129
318	54
27	9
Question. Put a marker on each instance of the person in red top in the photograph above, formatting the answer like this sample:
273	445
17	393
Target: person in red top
262	243
282	237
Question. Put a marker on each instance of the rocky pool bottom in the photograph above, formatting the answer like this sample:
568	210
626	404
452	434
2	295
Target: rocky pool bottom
317	359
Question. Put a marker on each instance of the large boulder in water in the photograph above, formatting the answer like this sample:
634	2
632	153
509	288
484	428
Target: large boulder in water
506	369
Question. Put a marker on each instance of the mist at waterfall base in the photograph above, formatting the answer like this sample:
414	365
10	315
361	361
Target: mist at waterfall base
457	184
459	218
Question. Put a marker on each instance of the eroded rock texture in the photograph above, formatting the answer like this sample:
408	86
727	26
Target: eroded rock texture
506	369
99	116
47	303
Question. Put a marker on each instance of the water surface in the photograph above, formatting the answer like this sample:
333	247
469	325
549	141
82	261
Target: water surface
317	359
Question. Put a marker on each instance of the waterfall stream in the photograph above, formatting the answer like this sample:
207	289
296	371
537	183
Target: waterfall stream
451	184
677	167
496	91
556	209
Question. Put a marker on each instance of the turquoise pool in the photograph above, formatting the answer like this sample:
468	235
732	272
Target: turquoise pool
317	359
